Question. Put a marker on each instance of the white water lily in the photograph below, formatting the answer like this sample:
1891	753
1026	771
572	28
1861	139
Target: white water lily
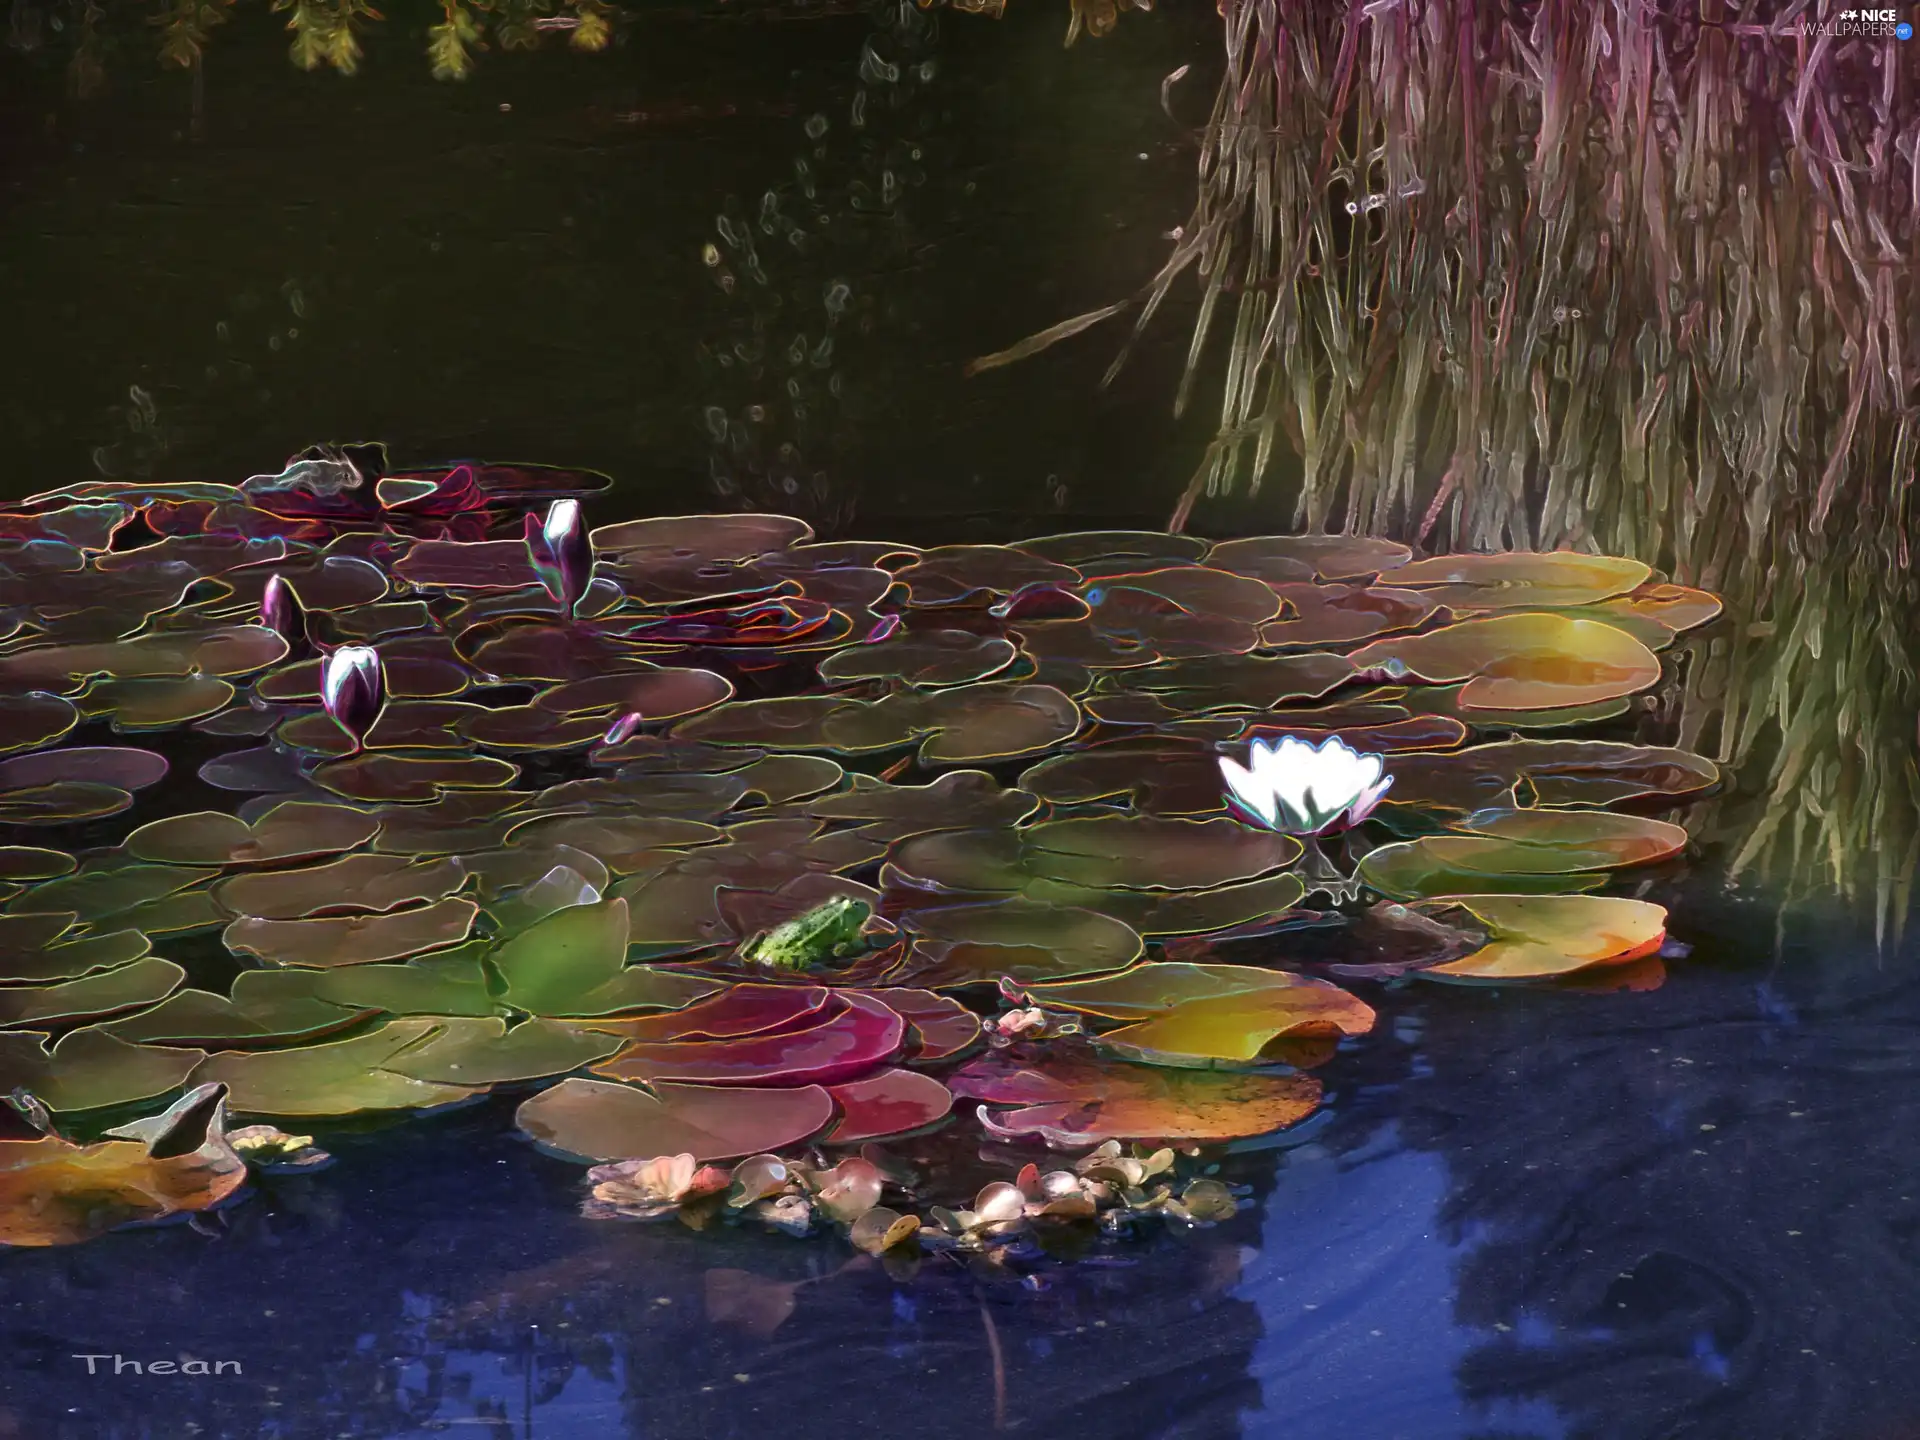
1297	788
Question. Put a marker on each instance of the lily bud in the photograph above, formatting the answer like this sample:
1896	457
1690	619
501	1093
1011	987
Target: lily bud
622	729
282	613
561	553
353	688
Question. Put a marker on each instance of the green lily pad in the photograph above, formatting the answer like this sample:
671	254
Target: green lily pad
959	945
266	1008
31	862
571	964
30	721
90	1069
1521	661
1519	579
353	939
475	1051
373	883
91	997
99	894
922	657
430	985
70	959
296	830
1284	558
1523	851
965	798
156	704
339	1077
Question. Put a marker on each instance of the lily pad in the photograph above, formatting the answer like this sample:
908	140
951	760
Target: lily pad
339	1077
1543	937
353	939
412	775
293	831
266	1008
92	997
156	704
964	798
885	1104
1236	1030
28	721
922	657
98	894
1073	1103
90	1069
1520	662
603	1120
960	945
372	883
1557	772
1523	851
852	1035
1520	579
571	964
486	1051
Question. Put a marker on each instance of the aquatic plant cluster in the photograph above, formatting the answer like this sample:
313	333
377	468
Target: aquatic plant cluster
346	793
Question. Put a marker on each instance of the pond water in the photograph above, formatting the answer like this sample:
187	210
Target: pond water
1690	1211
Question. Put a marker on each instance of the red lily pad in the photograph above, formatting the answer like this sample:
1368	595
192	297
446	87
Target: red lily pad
847	1041
939	1027
887	1103
737	1012
600	1120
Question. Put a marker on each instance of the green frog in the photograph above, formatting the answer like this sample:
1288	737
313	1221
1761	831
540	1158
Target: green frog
826	932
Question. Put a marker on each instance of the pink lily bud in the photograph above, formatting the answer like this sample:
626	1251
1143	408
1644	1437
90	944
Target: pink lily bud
353	688
282	612
561	553
622	729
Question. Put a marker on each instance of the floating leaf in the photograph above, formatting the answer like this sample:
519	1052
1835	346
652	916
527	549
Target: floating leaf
353	939
1232	1030
1283	558
975	944
53	1192
852	1035
938	1026
95	895
294	831
484	1051
1074	1103
1558	772
126	987
31	862
1521	662
28	951
27	721
1520	579
570	964
886	1103
412	774
601	1120
1523	850
922	657
90	1069
339	1077
265	1008
1542	937
371	883
156	704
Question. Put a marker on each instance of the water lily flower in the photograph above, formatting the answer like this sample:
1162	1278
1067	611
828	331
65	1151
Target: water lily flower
648	1189
267	1148
561	553
353	689
1303	790
282	612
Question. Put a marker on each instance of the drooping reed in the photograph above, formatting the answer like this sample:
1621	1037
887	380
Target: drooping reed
1588	274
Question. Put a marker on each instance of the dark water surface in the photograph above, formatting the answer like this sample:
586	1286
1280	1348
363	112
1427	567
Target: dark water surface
1688	1212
